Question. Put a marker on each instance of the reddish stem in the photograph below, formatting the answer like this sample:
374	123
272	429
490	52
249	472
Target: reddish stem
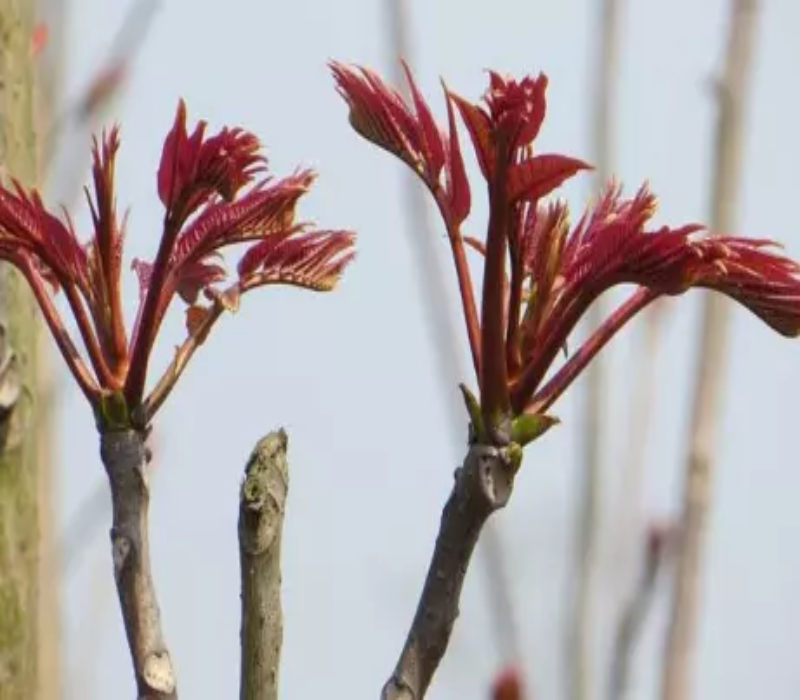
149	320
76	365
550	392
556	329
89	338
116	347
119	336
182	356
495	401
513	359
464	282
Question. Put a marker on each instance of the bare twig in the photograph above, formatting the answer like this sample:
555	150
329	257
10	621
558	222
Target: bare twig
125	455
656	549
451	370
732	98
579	631
482	486
262	504
108	81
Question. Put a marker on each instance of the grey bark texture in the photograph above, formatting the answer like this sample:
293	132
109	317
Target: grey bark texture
482	485
125	457
262	505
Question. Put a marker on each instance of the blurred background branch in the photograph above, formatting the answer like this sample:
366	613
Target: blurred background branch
29	629
732	94
581	618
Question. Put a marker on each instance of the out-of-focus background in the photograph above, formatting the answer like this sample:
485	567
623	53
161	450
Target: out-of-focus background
352	375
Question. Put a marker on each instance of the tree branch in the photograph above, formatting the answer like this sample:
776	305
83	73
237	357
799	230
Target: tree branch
581	618
658	544
262	504
450	369
125	457
482	486
679	646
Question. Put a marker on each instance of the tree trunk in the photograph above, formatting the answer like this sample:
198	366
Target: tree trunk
22	476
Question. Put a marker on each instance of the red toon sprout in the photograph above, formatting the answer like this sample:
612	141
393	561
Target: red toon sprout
217	194
541	272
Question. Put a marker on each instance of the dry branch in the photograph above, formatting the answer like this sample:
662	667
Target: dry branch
732	97
125	457
262	504
634	613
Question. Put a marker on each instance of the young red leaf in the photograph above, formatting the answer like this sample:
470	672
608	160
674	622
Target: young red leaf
517	108
377	112
459	198
536	177
196	276
193	167
263	211
313	260
105	260
26	224
480	131
431	143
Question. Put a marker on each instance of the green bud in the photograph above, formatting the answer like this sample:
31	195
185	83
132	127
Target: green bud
528	427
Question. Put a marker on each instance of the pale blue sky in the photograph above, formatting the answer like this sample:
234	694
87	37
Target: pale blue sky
350	374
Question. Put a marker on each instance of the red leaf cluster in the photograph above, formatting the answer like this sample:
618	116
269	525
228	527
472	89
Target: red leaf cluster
216	193
541	273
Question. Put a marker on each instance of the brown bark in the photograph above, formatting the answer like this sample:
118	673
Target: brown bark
125	457
262	504
732	94
482	486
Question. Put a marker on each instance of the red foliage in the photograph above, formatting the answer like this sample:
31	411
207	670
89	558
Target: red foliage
541	273
216	194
